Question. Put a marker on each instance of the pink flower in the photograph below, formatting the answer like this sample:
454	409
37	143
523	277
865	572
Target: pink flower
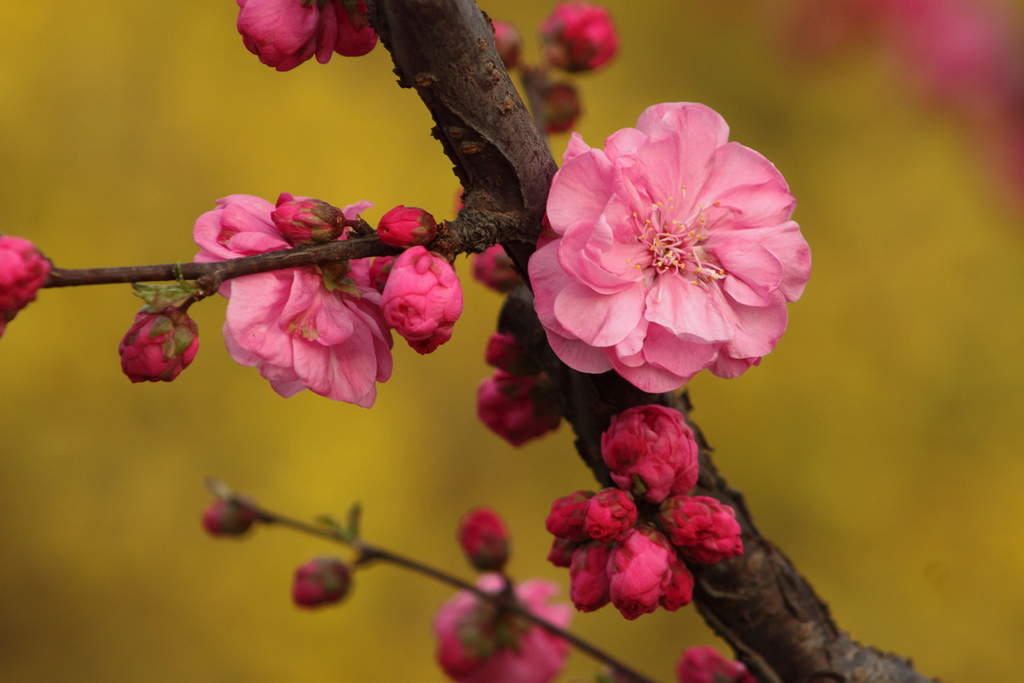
609	516
705	665
493	268
355	35
679	591
640	571
568	515
651	452
561	552
304	328
23	271
285	33
422	299
478	644
507	42
579	36
674	252
588	577
505	353
701	527
321	581
158	346
517	408
406	226
484	538
229	517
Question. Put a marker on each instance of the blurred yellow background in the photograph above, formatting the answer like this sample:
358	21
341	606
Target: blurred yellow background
881	445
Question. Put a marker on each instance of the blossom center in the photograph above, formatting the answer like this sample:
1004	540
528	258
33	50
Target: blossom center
676	247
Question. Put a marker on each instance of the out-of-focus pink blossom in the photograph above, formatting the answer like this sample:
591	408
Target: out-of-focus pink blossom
303	220
609	516
285	33
675	252
477	644
679	591
493	268
507	42
562	107
321	581
406	226
158	346
422	299
561	552
651	451
517	408
704	664
229	517
568	515
588	577
23	271
701	527
579	36
484	538
355	35
505	353
639	572
304	328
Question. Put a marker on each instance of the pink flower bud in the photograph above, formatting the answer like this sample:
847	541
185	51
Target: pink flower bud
507	42
380	269
561	552
484	539
302	220
588	577
704	664
679	591
701	527
505	353
493	268
285	33
406	226
567	516
229	517
422	299
321	581
562	107
23	271
517	408
639	572
355	35
609	515
651	452
158	346
578	36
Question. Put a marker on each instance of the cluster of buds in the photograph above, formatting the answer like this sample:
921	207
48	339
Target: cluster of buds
23	271
626	544
517	402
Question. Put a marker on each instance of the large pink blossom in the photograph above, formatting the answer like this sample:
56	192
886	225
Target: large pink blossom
675	252
304	328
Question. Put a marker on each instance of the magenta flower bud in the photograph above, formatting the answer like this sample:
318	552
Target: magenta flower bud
567	516
355	35
639	572
679	591
285	33
702	528
561	552
507	42
229	517
588	577
158	346
704	664
578	36
562	107
609	515
23	271
517	408
651	452
484	539
493	268
302	220
422	299
406	226
505	353
321	581
380	269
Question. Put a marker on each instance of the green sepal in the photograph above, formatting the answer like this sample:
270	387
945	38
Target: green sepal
161	297
334	525
355	514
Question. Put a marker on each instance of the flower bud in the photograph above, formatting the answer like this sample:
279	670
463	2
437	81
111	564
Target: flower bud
561	107
704	529
229	517
422	299
158	346
588	577
380	269
561	552
286	34
23	271
493	268
518	408
679	591
406	226
507	42
484	539
302	220
355	35
609	515
704	664
505	353
567	516
639	572
321	581
578	36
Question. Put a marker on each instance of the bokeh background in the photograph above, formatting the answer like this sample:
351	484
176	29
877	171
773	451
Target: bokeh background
880	445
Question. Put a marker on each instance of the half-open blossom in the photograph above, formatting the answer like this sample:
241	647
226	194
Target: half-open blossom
477	643
484	538
23	271
321	581
158	346
588	577
704	664
315	328
518	407
704	529
578	36
422	299
493	268
639	572
675	252
609	516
